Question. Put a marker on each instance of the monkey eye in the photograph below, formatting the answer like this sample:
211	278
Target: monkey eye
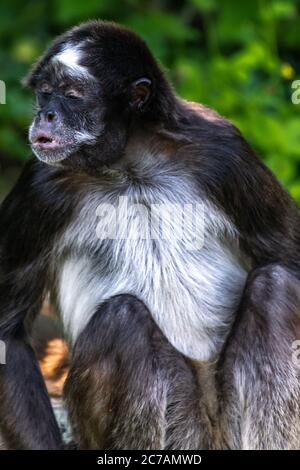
73	94
45	89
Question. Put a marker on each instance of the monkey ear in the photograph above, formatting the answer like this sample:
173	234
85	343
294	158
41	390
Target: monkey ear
140	93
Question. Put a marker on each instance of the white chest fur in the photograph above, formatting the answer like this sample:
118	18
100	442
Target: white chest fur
191	293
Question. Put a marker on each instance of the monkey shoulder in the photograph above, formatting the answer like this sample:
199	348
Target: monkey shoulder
34	211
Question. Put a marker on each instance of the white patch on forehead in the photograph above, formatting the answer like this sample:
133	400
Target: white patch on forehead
70	56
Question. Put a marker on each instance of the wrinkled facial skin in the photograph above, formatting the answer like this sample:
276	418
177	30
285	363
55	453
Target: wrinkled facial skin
70	113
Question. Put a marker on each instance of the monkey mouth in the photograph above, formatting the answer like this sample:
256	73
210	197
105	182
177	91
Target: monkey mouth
48	148
45	141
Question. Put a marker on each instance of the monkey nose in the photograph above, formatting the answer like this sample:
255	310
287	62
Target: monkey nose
47	117
51	116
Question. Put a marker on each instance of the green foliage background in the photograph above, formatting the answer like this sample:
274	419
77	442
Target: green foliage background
239	57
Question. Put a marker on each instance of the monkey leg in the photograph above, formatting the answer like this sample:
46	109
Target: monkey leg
259	371
128	388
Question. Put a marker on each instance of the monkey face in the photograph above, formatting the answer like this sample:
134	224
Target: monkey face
68	117
90	85
70	112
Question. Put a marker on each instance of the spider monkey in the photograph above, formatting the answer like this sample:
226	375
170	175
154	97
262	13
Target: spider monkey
175	344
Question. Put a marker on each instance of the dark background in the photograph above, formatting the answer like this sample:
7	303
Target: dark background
239	57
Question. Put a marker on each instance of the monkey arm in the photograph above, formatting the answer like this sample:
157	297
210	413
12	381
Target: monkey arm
259	370
26	417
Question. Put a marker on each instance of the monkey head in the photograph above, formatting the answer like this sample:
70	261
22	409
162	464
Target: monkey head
91	85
